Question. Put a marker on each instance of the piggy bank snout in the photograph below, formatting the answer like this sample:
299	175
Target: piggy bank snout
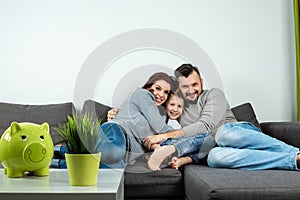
35	152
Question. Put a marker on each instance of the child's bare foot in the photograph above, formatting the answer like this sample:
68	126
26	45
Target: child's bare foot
159	155
154	147
176	163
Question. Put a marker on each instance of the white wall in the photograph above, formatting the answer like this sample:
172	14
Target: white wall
44	46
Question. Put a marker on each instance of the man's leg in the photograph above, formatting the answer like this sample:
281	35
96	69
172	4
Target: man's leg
244	135
226	157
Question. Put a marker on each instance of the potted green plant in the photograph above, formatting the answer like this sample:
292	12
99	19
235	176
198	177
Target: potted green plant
82	138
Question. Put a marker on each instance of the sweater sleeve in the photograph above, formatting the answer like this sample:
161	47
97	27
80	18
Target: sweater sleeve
145	101
214	106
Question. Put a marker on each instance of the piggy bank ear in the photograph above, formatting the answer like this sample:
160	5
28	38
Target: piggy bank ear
14	128
45	127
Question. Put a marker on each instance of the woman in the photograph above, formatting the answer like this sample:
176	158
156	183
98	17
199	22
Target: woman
138	117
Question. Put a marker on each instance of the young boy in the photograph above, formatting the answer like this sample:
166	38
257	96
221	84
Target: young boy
174	107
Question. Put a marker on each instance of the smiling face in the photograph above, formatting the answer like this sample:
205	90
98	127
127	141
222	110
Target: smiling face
174	107
191	86
160	89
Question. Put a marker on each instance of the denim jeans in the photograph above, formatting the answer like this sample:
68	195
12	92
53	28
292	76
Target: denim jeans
197	146
113	147
243	146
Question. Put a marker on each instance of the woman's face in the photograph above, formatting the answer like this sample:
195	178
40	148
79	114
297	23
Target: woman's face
160	89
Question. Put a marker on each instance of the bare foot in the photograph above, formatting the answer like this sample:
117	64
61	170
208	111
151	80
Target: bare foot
159	155
154	147
178	162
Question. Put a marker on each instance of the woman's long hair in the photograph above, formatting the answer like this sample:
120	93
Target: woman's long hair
161	76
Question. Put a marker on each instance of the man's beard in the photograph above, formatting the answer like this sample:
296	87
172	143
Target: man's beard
190	101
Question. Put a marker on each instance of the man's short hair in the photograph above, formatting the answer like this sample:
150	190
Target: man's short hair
185	70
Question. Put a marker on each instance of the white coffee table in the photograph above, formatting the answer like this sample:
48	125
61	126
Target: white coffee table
56	186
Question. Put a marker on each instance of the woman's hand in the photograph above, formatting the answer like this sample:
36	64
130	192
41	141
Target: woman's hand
112	113
153	139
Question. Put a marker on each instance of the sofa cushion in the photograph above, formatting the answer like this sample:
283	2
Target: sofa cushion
142	183
54	114
202	182
245	112
98	110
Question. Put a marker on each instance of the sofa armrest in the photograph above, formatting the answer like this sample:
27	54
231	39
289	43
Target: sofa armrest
288	132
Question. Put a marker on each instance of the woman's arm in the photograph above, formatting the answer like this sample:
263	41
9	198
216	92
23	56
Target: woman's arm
112	113
145	101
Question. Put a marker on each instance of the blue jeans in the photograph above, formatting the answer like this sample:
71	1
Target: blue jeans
243	146
113	147
197	146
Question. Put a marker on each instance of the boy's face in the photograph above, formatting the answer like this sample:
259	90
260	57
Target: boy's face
174	107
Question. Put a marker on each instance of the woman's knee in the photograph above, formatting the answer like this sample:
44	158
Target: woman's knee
111	153
112	144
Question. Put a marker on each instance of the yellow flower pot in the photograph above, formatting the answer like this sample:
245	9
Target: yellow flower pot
83	168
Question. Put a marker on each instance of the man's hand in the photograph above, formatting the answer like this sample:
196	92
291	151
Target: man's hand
157	139
153	139
112	113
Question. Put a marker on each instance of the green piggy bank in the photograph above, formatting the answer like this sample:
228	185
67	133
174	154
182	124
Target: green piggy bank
26	147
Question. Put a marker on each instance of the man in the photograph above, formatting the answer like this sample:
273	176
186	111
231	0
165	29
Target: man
204	112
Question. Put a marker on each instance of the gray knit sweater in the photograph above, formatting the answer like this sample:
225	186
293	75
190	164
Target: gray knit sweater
140	117
207	114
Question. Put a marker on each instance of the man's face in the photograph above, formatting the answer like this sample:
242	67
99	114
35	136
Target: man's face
191	87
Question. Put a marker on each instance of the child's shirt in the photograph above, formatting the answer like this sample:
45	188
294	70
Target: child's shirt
174	123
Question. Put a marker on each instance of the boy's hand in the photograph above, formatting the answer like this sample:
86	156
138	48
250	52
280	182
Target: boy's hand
154	139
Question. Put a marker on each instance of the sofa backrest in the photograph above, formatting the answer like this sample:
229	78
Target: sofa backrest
245	112
54	114
96	109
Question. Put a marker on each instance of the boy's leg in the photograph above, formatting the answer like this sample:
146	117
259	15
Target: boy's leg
200	143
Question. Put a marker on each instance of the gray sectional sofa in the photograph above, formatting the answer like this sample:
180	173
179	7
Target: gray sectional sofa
192	182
